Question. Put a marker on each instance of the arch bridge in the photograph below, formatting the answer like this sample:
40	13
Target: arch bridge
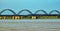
31	15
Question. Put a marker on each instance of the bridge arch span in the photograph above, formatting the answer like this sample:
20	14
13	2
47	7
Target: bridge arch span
24	10
54	11
39	11
8	10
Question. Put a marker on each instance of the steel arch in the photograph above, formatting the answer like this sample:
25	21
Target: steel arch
54	11
8	10
40	10
24	10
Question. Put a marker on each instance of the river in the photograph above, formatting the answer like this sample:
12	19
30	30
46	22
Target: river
30	25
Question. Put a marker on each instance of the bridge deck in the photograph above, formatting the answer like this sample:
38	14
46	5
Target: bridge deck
42	16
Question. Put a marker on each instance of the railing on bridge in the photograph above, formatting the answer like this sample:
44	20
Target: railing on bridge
31	15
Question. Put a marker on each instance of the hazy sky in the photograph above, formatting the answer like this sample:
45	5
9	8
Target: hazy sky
32	5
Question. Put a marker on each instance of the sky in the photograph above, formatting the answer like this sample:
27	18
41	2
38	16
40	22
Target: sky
32	5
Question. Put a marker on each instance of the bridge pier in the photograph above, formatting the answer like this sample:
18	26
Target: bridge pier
33	17
28	17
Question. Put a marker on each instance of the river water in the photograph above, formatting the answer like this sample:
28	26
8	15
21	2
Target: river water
30	25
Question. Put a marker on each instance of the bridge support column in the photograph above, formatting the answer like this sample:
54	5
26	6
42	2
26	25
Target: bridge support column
0	17
17	17
4	17
33	17
12	17
21	17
